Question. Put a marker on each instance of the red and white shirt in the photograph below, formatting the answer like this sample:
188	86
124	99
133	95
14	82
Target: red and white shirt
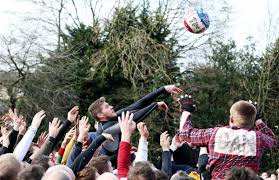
229	146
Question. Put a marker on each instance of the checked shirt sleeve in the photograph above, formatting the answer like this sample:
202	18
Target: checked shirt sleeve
267	138
198	137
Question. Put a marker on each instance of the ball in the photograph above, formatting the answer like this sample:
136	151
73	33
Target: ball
196	20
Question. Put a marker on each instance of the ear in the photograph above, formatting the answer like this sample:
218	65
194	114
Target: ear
231	119
100	115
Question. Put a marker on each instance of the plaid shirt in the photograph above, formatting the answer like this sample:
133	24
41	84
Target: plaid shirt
229	146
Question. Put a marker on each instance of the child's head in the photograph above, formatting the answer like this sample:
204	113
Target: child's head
242	114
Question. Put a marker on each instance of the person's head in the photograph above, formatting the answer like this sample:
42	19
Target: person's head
101	163
179	156
242	114
141	171
59	172
88	173
101	110
42	161
33	172
107	176
160	175
241	173
181	175
9	167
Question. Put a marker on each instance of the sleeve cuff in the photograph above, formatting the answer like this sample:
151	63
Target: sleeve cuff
173	147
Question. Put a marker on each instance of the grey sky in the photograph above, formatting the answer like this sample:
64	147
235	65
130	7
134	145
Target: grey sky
249	18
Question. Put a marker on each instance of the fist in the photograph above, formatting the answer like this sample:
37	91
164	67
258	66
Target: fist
186	103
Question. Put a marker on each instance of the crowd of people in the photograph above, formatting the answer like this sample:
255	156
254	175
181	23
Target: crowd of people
70	151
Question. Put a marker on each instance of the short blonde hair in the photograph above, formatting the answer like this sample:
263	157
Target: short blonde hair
9	166
243	113
96	108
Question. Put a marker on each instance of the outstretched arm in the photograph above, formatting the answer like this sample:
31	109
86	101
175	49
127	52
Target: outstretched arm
151	97
138	117
269	139
198	137
166	154
72	116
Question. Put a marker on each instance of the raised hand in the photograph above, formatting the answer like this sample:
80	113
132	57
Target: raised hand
17	119
5	136
143	130
165	141
127	126
258	115
163	106
176	143
54	127
172	89
84	127
42	138
186	103
37	119
6	120
77	121
73	113
22	128
258	122
68	137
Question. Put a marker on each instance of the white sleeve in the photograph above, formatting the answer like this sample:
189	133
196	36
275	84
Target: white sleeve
23	146
142	154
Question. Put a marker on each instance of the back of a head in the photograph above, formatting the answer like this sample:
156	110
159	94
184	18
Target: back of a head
33	172
160	175
180	175
59	172
243	113
107	176
42	161
9	166
141	171
101	163
241	173
185	155
87	173
96	108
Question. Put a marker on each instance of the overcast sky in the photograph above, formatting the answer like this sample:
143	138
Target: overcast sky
249	18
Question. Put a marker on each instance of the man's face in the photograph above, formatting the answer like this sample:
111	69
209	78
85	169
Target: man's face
107	111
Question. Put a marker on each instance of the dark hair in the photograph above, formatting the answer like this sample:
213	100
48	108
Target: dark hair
241	173
33	172
42	161
100	163
141	171
160	175
186	155
87	173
